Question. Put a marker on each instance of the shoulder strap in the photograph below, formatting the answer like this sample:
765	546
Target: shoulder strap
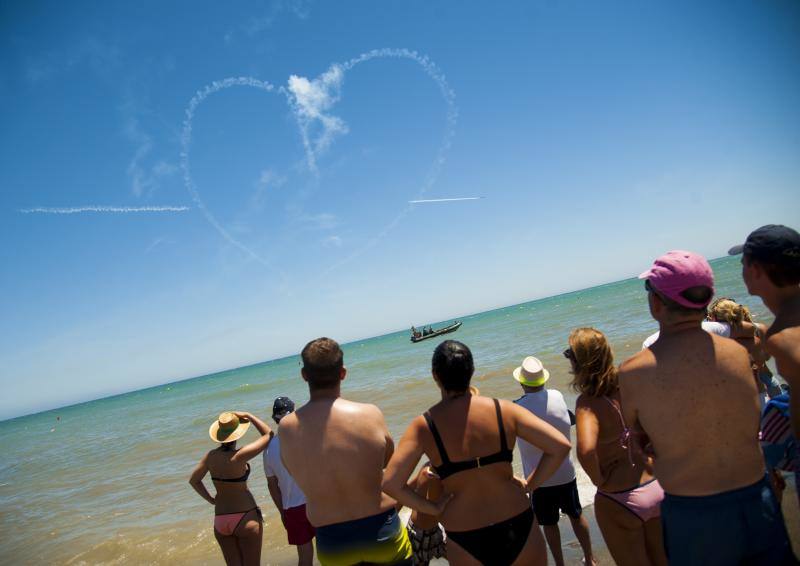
436	438
503	443
619	412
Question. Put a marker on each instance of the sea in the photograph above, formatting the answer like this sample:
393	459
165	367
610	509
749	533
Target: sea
106	481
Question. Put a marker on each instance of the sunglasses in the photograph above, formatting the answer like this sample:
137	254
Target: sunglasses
569	354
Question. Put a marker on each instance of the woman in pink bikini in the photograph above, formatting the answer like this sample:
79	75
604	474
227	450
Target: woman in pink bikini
237	519
628	500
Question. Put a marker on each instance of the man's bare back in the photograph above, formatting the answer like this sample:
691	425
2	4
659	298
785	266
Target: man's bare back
783	344
693	394
336	450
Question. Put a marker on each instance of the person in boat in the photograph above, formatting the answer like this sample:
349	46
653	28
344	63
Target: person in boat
414	332
485	511
237	518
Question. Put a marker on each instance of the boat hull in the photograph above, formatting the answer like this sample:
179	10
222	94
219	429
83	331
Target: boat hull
435	333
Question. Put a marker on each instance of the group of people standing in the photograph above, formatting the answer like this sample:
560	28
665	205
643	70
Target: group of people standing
670	438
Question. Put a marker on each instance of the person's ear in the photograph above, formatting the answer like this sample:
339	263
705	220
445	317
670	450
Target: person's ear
303	374
342	373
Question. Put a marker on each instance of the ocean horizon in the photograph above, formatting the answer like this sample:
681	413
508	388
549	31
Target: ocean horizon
436	324
105	481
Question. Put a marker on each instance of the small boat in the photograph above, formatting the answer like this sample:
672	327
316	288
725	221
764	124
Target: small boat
419	336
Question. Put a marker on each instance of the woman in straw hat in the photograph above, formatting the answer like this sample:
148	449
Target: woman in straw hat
470	441
628	500
237	519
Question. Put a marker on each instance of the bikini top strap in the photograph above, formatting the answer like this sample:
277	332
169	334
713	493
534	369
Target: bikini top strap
503	443
625	437
436	438
621	418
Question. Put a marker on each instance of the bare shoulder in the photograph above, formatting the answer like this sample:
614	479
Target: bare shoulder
289	425
784	338
362	410
785	344
638	362
586	403
509	408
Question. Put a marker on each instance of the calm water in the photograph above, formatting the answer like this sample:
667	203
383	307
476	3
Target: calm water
108	482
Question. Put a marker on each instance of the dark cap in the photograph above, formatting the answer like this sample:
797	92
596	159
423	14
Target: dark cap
282	407
772	243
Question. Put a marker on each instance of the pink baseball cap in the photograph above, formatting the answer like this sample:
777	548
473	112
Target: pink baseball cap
678	270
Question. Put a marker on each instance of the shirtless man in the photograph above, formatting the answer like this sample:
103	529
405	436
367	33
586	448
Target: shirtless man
692	396
771	270
336	451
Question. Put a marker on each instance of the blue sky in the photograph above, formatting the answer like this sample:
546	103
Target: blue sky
600	135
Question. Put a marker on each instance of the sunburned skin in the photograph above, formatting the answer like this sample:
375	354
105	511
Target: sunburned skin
783	344
336	450
693	394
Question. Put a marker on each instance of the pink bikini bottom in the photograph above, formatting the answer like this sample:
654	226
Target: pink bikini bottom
644	501
227	523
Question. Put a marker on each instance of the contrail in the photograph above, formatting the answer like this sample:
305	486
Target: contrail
443	200
317	96
449	96
186	142
123	209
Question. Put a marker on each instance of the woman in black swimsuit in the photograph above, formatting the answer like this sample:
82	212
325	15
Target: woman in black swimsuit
237	518
470	440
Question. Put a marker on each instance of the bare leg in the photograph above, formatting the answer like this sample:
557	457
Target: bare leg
305	554
553	537
534	553
654	539
230	549
249	534
581	528
457	556
623	532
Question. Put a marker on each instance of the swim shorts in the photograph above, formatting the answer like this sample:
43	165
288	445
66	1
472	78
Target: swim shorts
741	526
548	500
298	529
379	539
427	544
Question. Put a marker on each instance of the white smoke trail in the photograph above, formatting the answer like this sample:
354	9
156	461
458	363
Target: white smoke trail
443	200
449	96
186	140
120	209
309	101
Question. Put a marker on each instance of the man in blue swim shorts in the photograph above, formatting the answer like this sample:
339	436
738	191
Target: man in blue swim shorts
336	451
691	399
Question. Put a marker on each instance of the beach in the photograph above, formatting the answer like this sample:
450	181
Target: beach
105	482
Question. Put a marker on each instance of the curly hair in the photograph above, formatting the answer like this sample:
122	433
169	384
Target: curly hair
595	374
728	310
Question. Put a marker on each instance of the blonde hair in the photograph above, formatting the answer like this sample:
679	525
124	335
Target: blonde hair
728	310
595	374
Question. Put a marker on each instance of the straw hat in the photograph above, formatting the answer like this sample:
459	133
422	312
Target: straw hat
531	372
227	428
